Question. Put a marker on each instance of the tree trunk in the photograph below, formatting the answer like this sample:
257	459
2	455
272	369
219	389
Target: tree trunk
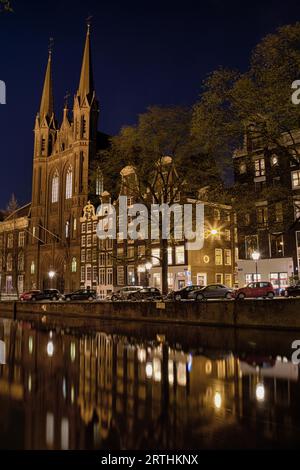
164	265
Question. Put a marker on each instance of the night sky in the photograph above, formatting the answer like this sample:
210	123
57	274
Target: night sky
144	52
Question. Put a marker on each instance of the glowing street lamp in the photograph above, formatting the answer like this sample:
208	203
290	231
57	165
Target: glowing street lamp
149	266
256	257
214	232
51	274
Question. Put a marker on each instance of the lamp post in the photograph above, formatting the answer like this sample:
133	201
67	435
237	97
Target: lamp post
256	258
148	267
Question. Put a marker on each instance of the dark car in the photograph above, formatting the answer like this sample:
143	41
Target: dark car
27	296
81	295
183	294
293	291
48	294
147	293
213	291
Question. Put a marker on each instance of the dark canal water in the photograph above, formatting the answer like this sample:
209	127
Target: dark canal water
146	387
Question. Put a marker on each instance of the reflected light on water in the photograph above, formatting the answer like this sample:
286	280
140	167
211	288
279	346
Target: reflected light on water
50	349
149	370
218	400
260	392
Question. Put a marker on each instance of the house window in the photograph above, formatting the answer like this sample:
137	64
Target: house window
89	240
227	235
276	245
296	179
55	187
247	219
88	256
102	258
228	280
251	245
9	262
102	280
89	274
74	265
262	215
83	228
83	241
155	256
83	256
10	241
120	276
21	284
21	239
180	255
170	256
297	209
110	277
274	160
219	278
130	276
243	168
217	214
219	257
82	275
228	257
279	212
95	275
21	262
69	183
260	167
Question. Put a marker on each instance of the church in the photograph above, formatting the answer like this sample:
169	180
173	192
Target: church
64	157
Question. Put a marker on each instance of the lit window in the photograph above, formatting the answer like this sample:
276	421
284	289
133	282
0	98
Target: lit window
10	241
260	167
180	255
228	257
55	187
156	257
21	262
243	168
219	257
74	265
67	229
219	278
227	235
251	245
120	276
228	280
21	239
69	184
82	274
276	245
32	268
296	179
262	215
9	262
110	277
170	256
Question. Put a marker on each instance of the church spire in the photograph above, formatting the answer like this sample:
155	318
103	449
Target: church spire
86	85
47	102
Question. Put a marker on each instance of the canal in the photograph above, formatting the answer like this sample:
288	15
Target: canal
127	387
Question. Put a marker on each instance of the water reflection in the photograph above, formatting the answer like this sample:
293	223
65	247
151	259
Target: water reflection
106	391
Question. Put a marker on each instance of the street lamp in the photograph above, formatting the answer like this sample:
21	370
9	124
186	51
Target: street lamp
256	258
214	232
51	275
148	267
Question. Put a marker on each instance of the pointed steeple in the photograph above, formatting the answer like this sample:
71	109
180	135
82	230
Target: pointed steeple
86	85
47	103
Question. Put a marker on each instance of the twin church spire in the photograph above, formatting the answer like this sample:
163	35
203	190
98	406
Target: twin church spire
86	83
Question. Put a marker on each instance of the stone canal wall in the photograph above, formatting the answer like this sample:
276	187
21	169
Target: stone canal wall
277	314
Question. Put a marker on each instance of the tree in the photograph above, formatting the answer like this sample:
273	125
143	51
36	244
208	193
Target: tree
5	6
258	101
237	110
167	163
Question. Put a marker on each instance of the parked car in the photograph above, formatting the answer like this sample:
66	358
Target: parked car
213	291
183	293
147	293
125	293
256	290
27	296
82	294
48	294
293	291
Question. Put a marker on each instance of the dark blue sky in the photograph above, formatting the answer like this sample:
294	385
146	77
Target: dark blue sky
144	52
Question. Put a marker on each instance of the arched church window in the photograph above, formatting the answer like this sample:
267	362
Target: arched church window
55	187
69	184
99	182
67	229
